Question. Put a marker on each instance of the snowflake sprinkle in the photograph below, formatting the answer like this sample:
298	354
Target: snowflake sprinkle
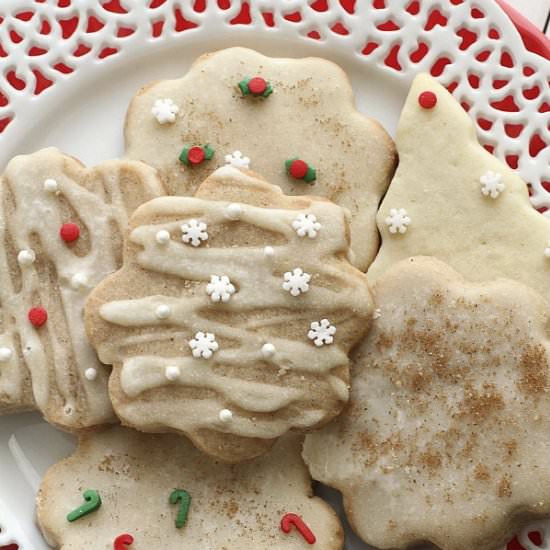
397	220
194	232
220	288
306	224
491	184
203	345
322	332
296	281
237	160
165	111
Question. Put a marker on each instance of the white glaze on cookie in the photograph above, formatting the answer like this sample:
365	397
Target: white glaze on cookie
334	292
56	356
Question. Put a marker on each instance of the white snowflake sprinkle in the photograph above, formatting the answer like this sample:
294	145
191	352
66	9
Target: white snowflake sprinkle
50	186
194	232
225	415
163	311
165	111
397	220
220	288
237	160
172	373
491	184
5	354
90	374
547	250
322	332
26	257
296	281
203	345
306	224
162	236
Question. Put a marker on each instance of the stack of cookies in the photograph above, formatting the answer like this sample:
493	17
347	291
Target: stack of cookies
255	291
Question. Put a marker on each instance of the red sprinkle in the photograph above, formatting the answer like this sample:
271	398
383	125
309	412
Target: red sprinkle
257	85
288	520
123	541
37	316
427	100
195	155
298	169
69	232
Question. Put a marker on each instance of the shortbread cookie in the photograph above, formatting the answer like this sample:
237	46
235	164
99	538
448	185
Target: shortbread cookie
61	233
452	199
447	434
299	110
231	319
163	493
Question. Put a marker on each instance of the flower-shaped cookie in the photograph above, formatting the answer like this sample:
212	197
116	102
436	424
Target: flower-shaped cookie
447	434
248	352
310	115
160	492
61	227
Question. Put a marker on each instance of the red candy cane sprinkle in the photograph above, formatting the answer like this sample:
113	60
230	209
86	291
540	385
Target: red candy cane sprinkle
257	85
123	541
427	100
196	155
37	316
69	232
298	169
288	520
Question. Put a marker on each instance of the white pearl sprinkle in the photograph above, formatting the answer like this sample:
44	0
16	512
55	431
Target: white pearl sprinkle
162	237
172	373
269	251
50	185
233	211
26	257
226	415
5	354
90	374
163	311
78	281
268	350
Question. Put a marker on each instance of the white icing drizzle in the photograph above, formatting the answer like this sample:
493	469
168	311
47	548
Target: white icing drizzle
259	288
60	366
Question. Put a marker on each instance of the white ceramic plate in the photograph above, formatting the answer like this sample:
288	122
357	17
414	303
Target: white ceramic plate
83	115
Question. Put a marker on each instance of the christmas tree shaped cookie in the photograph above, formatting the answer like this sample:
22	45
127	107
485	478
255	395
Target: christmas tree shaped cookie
447	433
233	315
452	199
291	120
61	231
157	491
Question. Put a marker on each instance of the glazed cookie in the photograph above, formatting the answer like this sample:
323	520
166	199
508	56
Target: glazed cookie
452	199
162	493
446	436
291	120
231	319
61	233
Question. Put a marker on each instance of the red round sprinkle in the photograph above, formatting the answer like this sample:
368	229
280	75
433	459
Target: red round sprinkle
195	155
298	169
69	232
257	85
427	100
37	316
